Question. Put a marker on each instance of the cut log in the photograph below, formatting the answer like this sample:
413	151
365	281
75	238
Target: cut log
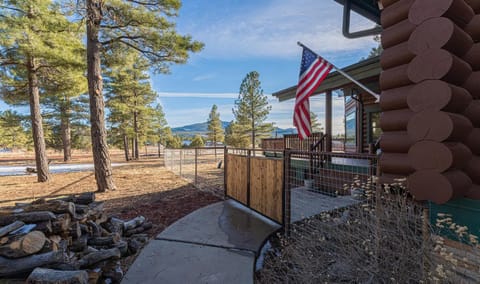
135	222
94	275
397	33
45	227
395	163
438	157
456	10
395	98
439	33
122	247
396	55
27	217
94	228
473	192
55	206
395	142
50	276
114	225
83	198
473	57
395	13
438	95
49	246
438	64
105	241
95	257
438	126
437	187
75	230
395	77
10	227
79	244
472	112
144	227
473	141
112	270
25	229
61	224
395	120
472	28
11	267
20	246
472	84
473	169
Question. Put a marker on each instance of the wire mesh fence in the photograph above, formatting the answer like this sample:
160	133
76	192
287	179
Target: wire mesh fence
201	166
344	227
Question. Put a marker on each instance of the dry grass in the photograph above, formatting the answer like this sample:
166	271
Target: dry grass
143	188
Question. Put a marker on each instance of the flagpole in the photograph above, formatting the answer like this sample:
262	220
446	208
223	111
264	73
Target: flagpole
340	71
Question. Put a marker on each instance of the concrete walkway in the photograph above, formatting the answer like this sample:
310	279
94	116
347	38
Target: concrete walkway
215	244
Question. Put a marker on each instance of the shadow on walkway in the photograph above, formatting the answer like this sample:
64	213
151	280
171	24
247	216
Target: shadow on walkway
215	244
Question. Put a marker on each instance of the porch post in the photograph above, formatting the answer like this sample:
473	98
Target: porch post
328	121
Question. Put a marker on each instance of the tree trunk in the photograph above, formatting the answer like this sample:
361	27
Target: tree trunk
101	156
125	147
66	131
135	129
158	147
41	160
133	148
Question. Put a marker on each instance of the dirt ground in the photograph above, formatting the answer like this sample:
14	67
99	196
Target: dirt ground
144	188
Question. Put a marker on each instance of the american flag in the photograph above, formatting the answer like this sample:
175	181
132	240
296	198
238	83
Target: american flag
313	71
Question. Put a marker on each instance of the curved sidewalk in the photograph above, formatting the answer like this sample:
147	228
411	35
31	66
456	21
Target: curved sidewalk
214	244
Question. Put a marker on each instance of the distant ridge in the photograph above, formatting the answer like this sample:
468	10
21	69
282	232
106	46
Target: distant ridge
202	129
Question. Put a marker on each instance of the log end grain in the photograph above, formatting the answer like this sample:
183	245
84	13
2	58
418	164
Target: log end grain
457	10
430	155
439	33
438	64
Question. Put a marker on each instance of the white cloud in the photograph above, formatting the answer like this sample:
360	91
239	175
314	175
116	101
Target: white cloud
274	29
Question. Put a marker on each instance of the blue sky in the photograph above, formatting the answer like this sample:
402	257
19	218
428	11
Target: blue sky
245	35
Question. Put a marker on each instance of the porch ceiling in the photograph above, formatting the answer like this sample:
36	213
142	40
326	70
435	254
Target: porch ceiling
367	8
360	71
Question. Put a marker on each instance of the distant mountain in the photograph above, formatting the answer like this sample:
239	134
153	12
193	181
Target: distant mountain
202	129
195	129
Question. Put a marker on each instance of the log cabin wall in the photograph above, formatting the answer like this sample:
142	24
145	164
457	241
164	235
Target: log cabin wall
431	97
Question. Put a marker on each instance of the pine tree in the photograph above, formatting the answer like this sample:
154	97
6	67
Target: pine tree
66	103
251	110
235	137
197	141
130	97
36	37
12	131
316	125
144	26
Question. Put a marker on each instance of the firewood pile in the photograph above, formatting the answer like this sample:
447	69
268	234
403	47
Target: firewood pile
66	240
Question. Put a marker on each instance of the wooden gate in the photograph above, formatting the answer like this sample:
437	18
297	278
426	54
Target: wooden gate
255	181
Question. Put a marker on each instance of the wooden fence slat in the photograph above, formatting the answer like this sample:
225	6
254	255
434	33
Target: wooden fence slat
237	177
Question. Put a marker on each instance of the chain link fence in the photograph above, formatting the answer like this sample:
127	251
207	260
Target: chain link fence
201	166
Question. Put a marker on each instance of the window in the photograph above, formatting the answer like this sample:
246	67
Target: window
351	128
374	130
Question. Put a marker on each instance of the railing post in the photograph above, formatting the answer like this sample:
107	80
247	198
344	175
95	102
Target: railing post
225	169
286	205
249	153
196	164
180	157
